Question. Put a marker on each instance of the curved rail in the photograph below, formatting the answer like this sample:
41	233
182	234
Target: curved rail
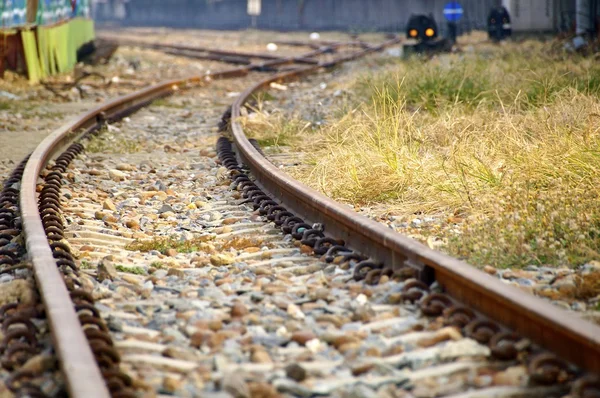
224	55
82	375
565	334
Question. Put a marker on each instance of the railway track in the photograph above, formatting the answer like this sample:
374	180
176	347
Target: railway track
163	269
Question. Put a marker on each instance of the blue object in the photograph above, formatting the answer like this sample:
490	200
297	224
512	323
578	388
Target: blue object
453	11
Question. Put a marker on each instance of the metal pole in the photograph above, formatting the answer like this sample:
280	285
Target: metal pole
32	7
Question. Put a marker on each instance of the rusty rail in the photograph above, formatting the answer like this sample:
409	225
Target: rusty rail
244	58
214	54
572	338
563	333
319	43
82	374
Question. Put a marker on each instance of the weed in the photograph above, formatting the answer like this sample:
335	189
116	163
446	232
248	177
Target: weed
509	140
169	103
130	270
274	129
158	265
163	244
240	243
588	286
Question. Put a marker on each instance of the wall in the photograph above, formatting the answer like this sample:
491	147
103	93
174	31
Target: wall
542	15
537	15
354	15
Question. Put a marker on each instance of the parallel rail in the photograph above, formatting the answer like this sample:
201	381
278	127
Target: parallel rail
237	57
82	375
566	335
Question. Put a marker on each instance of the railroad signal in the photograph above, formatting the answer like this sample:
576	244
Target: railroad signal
453	11
254	7
499	27
421	27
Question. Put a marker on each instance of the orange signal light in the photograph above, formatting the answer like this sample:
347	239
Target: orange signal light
429	32
413	33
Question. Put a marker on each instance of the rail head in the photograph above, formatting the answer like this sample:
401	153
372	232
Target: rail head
82	374
558	330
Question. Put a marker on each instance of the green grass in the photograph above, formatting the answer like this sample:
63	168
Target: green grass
158	265
525	78
131	270
163	244
505	140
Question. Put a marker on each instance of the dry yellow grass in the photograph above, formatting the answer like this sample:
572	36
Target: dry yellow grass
507	140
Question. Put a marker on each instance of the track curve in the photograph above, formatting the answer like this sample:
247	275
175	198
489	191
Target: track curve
566	335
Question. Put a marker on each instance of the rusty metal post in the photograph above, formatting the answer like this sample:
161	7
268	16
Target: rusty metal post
32	7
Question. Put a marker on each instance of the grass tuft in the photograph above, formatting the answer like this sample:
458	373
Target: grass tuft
588	286
240	243
131	270
158	265
275	130
507	141
163	244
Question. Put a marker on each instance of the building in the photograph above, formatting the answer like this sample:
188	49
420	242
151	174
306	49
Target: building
348	15
554	15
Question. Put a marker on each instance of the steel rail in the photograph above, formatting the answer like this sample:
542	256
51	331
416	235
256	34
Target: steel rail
82	375
83	378
567	335
242	58
267	65
319	43
212	51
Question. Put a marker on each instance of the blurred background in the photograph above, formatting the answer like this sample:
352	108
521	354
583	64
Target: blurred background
47	37
347	15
